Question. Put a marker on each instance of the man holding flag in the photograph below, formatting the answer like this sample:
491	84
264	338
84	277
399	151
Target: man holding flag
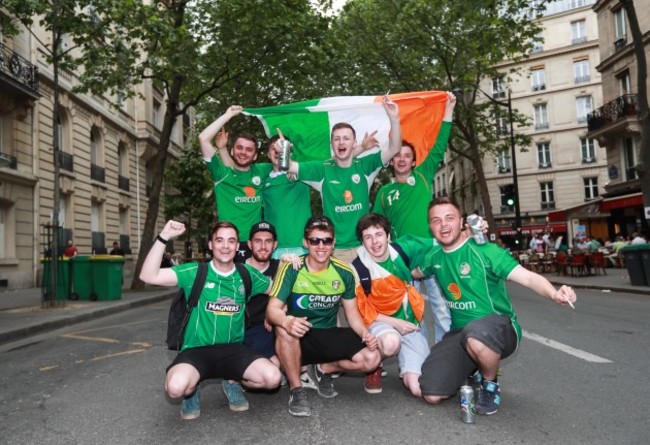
344	181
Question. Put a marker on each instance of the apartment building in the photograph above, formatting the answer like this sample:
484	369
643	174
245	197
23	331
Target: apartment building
557	86
615	125
102	164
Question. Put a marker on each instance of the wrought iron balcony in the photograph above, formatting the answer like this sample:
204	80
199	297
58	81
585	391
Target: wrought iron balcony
123	183
66	161
97	173
620	107
19	69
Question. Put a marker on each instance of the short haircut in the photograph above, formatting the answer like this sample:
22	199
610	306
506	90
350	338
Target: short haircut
319	223
342	125
441	201
372	220
248	137
406	143
222	225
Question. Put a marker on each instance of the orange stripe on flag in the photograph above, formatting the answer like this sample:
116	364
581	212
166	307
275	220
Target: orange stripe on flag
420	115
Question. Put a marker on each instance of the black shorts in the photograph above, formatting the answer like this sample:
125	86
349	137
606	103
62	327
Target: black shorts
228	361
329	345
260	340
449	364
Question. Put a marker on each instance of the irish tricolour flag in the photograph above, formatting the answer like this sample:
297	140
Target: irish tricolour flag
308	124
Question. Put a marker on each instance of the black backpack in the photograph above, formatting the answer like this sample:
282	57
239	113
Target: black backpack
181	308
364	273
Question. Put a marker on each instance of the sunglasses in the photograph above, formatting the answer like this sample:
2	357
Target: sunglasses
313	241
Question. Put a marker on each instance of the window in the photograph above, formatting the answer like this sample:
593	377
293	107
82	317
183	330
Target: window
541	117
58	132
583	108
498	87
624	85
157	114
3	216
125	241
620	25
538	78
538	44
544	155
578	32
503	162
123	167
588	150
547	198
581	71
97	234
507	198
502	126
629	157
591	188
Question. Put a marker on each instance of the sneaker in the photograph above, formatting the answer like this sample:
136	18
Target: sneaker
384	373
324	381
489	399
191	407
235	395
307	381
372	382
475	381
298	404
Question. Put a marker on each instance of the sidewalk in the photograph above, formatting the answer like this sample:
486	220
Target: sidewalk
21	314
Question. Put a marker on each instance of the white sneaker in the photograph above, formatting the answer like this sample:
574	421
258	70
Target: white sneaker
307	381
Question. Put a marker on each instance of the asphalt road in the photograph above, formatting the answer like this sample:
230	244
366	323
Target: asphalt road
578	377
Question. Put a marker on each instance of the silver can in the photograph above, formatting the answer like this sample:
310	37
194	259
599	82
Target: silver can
467	412
284	159
474	222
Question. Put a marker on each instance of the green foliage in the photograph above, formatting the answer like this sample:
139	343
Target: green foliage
189	196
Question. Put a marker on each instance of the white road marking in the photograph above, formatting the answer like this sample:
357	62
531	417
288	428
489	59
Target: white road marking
565	348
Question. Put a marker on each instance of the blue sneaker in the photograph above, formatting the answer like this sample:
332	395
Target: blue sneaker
191	407
235	395
489	399
475	381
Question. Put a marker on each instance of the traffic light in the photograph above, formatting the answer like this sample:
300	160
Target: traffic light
508	197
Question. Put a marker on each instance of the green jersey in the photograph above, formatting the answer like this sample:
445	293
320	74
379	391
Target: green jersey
218	317
472	278
315	295
344	192
287	205
238	194
406	204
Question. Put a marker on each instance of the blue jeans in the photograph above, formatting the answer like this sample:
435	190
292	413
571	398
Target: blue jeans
429	289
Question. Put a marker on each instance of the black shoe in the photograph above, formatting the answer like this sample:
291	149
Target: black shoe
298	404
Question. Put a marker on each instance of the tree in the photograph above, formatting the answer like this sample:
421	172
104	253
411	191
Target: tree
411	45
190	49
190	200
642	85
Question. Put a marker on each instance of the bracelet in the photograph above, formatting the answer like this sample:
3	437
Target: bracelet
161	239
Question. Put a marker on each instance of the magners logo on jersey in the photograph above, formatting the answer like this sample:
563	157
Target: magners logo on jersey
223	306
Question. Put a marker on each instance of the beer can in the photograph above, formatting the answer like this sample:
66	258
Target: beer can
467	412
474	222
284	159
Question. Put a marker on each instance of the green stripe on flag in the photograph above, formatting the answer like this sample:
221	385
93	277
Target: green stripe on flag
309	132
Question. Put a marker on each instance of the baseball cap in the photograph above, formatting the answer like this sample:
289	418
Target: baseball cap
262	226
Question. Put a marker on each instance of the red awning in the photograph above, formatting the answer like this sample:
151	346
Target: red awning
619	202
536	228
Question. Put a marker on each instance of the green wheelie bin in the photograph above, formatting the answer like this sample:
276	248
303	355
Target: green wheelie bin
82	278
107	277
63	281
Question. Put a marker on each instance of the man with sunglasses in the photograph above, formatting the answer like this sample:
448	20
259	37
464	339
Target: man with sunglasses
303	308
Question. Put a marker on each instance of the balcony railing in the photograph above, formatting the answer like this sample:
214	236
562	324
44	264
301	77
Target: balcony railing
66	161
97	173
582	79
578	40
620	43
541	126
18	68
620	107
123	183
8	161
548	205
539	87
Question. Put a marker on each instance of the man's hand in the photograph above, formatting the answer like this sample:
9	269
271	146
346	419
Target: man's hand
296	326
173	229
369	141
564	295
449	107
392	109
370	340
291	258
404	327
221	140
233	111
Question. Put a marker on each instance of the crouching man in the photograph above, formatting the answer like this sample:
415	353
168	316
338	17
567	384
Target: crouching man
212	346
303	308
